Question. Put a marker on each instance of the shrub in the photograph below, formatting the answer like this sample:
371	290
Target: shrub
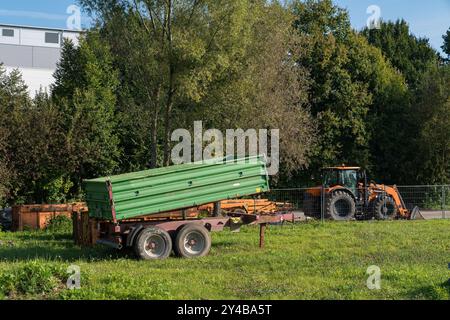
32	278
59	224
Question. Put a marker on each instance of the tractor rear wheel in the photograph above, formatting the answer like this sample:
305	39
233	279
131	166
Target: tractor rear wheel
385	209
340	206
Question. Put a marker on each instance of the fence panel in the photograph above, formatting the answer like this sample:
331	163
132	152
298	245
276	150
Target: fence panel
307	201
432	201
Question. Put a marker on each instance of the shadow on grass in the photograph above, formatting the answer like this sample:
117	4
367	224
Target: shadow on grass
430	292
53	247
41	236
223	244
58	254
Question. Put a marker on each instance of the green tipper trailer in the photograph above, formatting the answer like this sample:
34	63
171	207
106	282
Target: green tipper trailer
182	186
131	210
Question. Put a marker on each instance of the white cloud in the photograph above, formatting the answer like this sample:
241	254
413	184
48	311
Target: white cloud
32	14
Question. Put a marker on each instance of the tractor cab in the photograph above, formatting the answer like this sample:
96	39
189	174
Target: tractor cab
347	177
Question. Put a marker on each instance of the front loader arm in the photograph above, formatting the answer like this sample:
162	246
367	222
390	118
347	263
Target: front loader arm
395	194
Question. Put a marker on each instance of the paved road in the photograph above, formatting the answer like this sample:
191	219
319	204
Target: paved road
430	215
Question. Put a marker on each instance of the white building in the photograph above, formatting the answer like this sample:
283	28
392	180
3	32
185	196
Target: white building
34	51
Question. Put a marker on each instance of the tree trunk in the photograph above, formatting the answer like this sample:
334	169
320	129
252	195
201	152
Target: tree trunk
168	122
154	142
170	91
154	130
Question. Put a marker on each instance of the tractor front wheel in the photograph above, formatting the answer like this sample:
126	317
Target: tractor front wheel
385	209
340	206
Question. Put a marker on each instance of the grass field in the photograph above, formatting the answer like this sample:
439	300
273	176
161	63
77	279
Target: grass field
305	261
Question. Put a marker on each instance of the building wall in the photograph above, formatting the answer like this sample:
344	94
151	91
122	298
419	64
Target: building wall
36	79
35	52
29	57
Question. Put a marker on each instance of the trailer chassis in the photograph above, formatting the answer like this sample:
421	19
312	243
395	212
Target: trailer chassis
189	238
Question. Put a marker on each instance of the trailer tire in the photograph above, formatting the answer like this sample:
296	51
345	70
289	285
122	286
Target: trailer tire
192	241
153	243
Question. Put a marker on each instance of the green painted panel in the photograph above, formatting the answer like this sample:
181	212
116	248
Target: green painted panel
176	187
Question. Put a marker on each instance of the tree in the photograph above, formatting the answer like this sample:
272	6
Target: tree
446	46
32	143
265	88
5	171
37	150
339	103
173	51
411	55
87	99
281	89
13	96
318	17
180	59
433	143
353	88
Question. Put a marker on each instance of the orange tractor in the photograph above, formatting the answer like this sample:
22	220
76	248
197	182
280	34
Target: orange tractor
346	194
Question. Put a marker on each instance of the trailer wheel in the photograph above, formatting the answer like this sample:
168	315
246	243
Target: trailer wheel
193	241
153	243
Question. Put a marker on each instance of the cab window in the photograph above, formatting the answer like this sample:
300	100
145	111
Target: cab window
331	178
349	178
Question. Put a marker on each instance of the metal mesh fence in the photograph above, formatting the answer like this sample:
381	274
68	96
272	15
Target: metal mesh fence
433	201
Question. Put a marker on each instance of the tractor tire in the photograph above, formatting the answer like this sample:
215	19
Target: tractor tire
340	206
153	243
385	209
192	241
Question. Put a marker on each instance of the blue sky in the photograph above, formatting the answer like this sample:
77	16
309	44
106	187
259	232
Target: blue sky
427	18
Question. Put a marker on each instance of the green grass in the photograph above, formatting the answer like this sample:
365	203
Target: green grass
305	261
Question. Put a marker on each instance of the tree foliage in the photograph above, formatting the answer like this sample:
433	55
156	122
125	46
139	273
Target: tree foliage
204	60
433	143
85	91
376	98
446	46
411	55
353	86
32	142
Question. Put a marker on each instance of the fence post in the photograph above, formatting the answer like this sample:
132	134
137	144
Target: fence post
443	202
322	204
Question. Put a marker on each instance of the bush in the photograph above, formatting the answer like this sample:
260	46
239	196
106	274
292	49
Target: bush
59	224
32	278
58	189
